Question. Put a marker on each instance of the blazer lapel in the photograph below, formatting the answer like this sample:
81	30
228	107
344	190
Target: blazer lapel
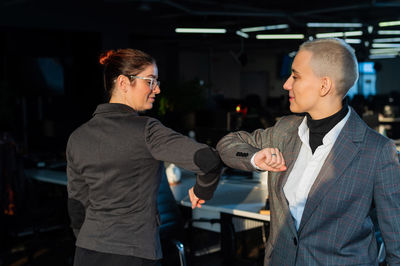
342	154
291	152
290	155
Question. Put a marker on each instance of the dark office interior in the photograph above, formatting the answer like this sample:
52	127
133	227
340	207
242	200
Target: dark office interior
211	84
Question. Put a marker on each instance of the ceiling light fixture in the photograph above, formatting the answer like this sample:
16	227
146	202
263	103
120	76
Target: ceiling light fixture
389	32
382	56
385	51
199	30
385	45
242	34
279	36
387	40
389	23
333	25
339	34
353	41
261	28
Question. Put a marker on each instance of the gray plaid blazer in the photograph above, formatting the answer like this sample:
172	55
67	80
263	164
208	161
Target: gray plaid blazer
361	172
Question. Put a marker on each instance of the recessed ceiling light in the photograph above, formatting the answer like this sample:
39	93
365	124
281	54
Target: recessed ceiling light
353	41
261	28
242	34
279	36
389	32
384	51
333	25
387	40
382	56
389	23
199	30
385	45
339	34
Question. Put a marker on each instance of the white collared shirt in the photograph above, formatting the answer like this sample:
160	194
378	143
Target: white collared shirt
307	167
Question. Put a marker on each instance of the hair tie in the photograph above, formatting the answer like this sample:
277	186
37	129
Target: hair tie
106	56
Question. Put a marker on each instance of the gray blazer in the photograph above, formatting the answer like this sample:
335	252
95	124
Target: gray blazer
114	169
361	170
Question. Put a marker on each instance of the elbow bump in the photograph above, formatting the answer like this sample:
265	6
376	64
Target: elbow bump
208	160
210	177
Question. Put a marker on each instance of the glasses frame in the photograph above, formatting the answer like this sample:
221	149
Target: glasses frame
154	83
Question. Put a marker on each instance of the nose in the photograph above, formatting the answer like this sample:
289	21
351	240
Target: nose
288	84
157	89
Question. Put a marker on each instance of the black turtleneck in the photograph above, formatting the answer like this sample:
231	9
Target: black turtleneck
319	128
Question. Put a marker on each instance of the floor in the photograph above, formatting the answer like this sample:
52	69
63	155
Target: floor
45	249
57	248
40	235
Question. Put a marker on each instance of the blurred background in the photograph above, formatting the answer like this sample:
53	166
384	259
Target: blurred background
221	64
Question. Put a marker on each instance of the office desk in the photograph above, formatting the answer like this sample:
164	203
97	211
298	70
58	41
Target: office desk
231	198
48	176
237	198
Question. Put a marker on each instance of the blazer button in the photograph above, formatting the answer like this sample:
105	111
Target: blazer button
295	241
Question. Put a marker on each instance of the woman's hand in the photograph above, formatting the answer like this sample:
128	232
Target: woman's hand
196	202
270	159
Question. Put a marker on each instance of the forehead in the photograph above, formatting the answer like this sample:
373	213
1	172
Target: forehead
150	70
302	61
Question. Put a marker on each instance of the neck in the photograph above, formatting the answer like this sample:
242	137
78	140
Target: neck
327	109
117	99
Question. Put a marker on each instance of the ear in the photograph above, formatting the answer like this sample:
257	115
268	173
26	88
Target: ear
326	86
122	83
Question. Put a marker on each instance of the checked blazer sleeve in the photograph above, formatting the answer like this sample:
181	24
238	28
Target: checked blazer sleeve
237	148
387	201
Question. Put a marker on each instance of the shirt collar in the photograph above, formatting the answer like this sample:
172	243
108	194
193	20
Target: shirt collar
114	108
330	137
303	131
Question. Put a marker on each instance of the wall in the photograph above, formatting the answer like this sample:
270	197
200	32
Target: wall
388	78
228	76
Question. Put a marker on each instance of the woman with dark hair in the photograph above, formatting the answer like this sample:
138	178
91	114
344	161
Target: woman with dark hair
114	167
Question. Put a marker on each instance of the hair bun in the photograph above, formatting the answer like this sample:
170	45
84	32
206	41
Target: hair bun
106	56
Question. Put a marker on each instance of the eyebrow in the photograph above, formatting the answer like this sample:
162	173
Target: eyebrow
295	71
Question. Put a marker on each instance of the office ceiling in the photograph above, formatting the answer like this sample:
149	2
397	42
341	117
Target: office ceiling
157	19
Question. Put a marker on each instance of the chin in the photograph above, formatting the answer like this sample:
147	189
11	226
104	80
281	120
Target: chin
148	107
293	109
296	109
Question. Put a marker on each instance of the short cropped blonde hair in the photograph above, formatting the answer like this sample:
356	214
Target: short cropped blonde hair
333	58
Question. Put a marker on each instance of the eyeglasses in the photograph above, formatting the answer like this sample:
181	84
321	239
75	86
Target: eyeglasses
152	82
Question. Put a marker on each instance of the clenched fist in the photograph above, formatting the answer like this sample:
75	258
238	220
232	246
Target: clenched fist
270	159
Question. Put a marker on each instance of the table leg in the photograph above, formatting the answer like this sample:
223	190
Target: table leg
228	244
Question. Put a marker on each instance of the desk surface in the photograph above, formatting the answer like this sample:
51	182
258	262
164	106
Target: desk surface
233	197
48	176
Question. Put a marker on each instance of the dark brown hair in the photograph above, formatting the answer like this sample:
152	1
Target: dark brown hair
123	62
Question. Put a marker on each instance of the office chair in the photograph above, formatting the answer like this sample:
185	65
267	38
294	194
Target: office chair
172	225
172	231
